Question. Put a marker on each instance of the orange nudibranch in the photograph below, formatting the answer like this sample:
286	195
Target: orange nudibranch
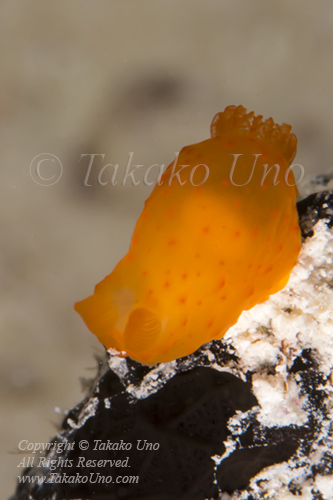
215	238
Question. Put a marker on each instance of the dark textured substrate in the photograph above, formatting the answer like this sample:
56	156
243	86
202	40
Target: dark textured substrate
185	419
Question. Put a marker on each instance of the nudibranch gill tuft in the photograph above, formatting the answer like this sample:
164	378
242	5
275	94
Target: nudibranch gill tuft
202	252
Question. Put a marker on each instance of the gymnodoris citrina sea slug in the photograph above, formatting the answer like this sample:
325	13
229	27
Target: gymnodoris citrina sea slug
218	234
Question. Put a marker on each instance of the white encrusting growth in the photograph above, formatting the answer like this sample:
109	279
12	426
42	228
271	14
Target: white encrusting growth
299	316
273	334
88	411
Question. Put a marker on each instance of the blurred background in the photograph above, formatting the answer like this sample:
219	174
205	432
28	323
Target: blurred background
113	78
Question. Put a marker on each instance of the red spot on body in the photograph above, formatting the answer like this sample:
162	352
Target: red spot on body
225	182
199	302
197	255
144	273
198	273
268	270
275	212
171	242
166	284
222	283
184	276
184	323
210	324
255	233
268	239
169	212
206	229
182	300
237	234
221	263
223	297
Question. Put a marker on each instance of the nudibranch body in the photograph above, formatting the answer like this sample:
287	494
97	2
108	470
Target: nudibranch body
205	247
